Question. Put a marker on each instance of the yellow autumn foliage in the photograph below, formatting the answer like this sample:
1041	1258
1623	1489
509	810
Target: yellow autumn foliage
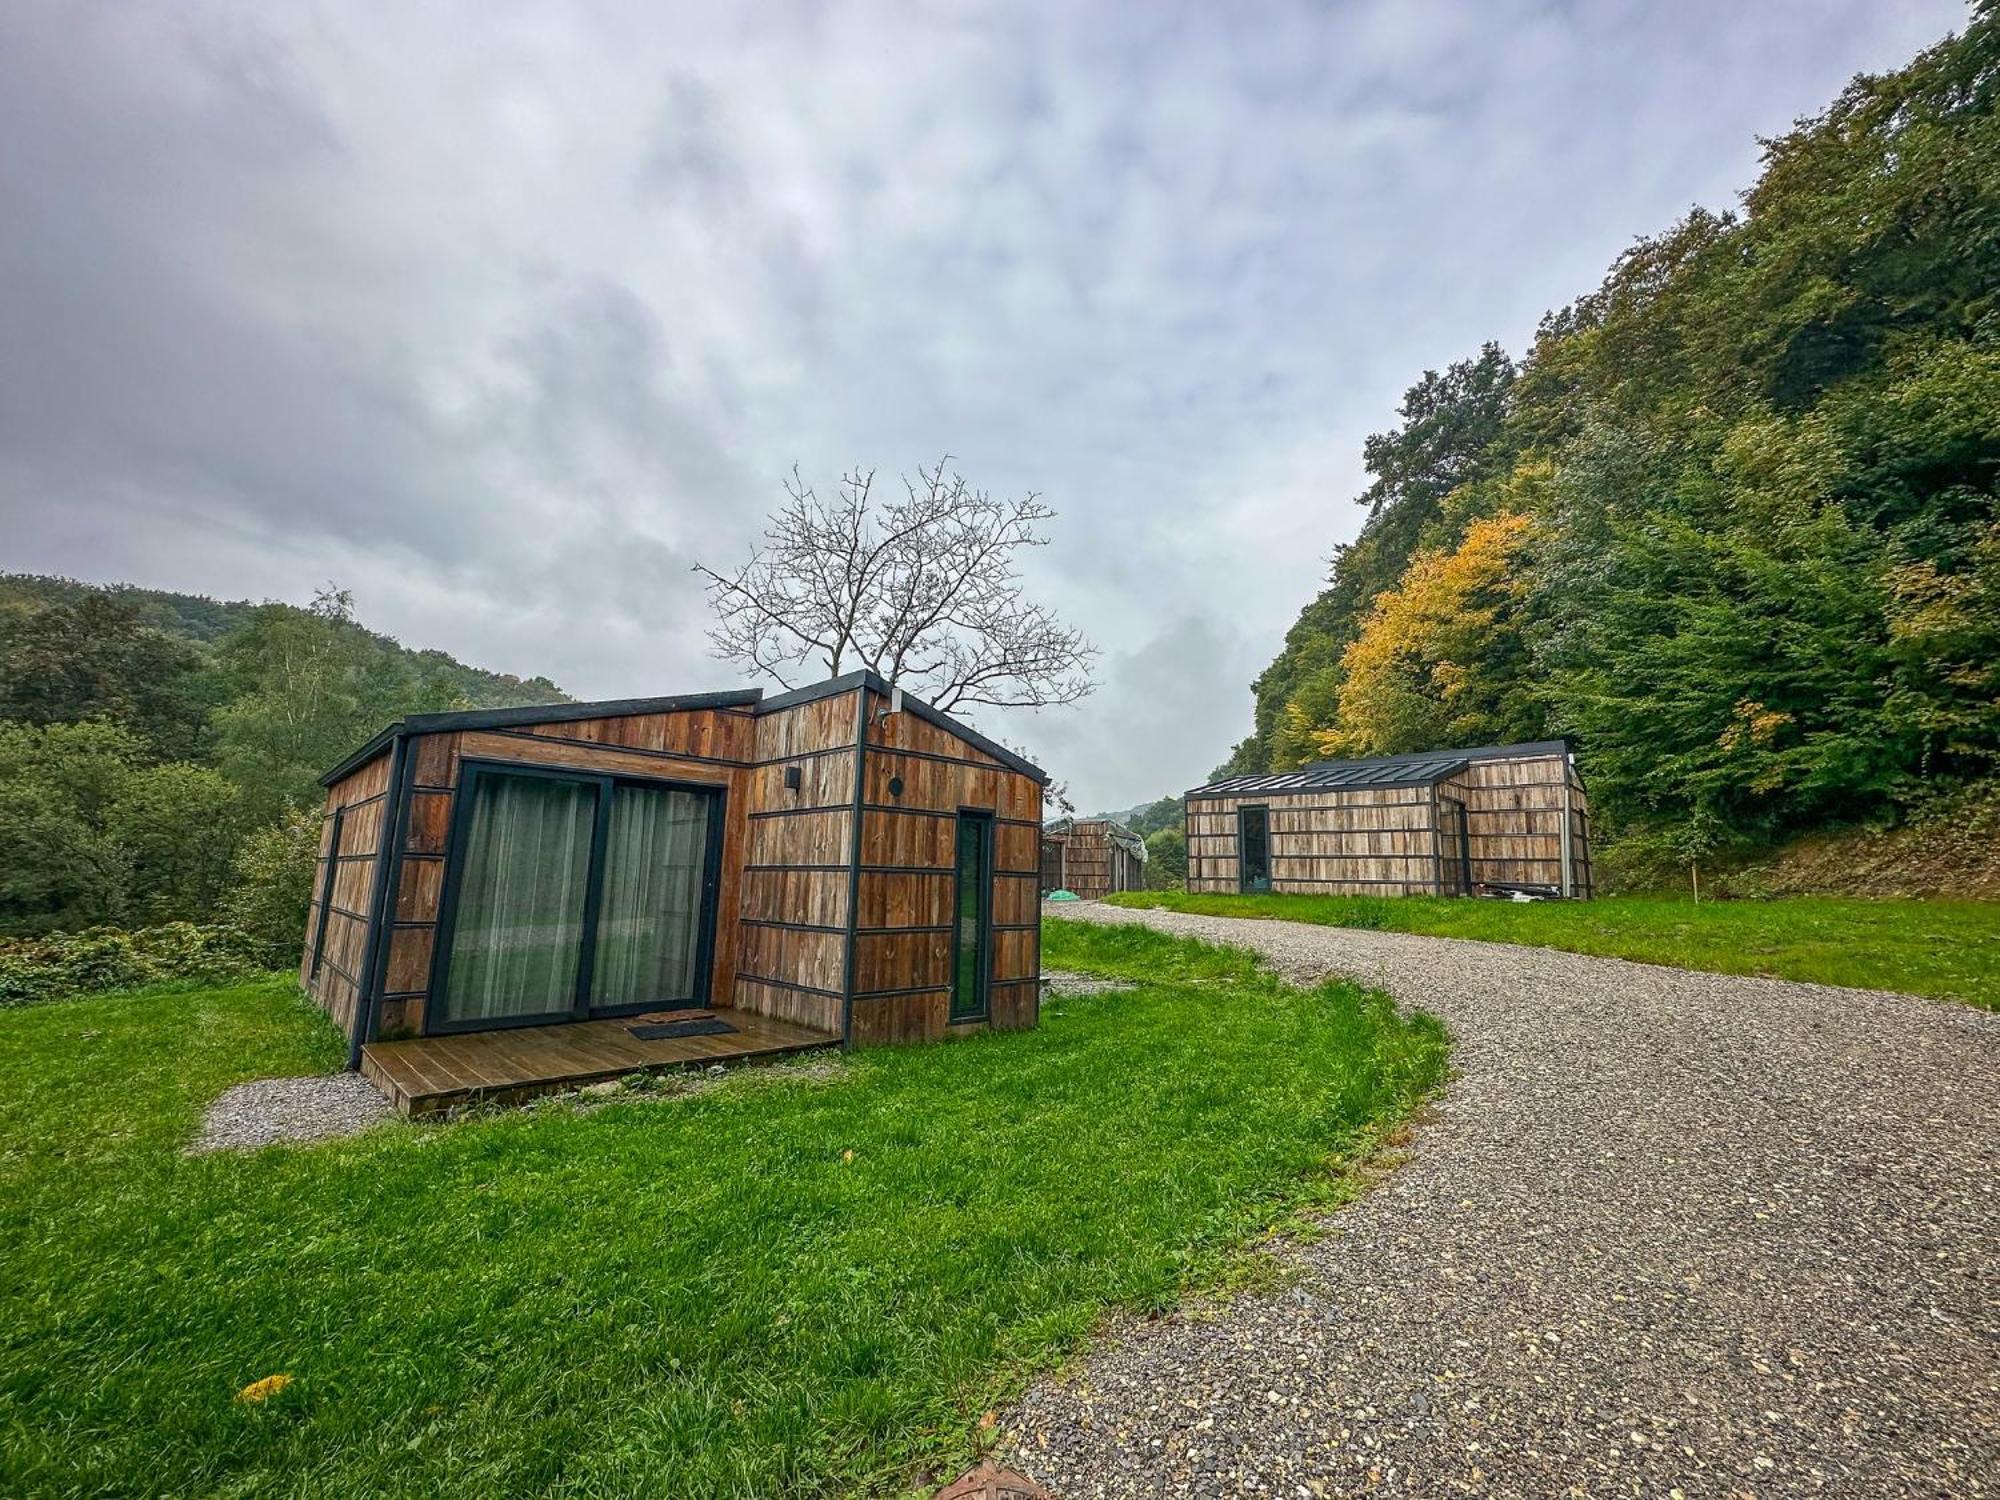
1413	677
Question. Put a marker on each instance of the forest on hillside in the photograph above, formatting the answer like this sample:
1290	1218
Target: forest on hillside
160	753
1729	525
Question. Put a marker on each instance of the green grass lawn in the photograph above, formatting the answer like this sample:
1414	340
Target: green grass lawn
786	1284
1945	948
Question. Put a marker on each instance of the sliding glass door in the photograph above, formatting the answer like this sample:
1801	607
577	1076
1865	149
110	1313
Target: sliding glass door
649	923
570	895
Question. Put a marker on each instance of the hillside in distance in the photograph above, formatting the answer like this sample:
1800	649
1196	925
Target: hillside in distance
207	621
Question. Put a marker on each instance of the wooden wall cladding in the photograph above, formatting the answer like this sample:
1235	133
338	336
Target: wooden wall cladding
337	917
782	944
800	1007
800	957
1367	841
1514	819
902	900
814	898
813	837
902	960
909	845
827	724
948	785
725	736
893	1020
1094	864
797	845
1384	841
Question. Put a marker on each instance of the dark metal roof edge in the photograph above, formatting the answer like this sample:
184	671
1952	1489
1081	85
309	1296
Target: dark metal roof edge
966	732
374	747
564	713
560	713
543	713
1223	788
1521	751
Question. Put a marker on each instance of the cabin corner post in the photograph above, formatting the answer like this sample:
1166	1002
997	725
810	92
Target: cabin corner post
382	900
856	813
1437	842
1568	851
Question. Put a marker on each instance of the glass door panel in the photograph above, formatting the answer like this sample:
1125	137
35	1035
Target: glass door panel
522	882
972	916
1253	843
649	922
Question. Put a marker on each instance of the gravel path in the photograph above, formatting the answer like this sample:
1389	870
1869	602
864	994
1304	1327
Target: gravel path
1666	1234
267	1110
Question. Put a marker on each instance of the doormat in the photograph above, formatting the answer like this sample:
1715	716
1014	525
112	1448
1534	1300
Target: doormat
661	1031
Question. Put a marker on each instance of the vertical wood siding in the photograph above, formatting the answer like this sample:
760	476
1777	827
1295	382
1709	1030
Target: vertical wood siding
918	777
783	920
362	799
1093	864
1365	841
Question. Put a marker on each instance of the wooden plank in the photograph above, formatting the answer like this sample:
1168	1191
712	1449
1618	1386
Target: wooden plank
428	1073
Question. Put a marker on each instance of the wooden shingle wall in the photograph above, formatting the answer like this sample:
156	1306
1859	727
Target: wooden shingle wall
1094	864
1369	842
337	919
1514	818
919	775
792	912
1384	842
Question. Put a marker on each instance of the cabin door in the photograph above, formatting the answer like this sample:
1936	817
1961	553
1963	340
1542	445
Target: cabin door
972	917
570	895
1454	849
1253	846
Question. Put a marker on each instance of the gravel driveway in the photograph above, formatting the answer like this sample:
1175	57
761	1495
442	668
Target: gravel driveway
1666	1233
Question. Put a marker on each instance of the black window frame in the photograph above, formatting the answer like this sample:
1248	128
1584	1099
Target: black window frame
605	782
984	980
1462	856
1243	885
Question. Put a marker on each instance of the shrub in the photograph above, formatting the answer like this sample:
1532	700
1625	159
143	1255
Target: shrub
67	964
272	885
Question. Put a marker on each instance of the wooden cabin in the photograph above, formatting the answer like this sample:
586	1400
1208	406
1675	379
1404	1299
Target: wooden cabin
1092	857
520	899
1488	821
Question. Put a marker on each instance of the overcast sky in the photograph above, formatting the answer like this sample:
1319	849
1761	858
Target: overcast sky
502	315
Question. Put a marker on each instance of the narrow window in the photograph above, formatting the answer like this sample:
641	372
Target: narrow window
972	916
1253	843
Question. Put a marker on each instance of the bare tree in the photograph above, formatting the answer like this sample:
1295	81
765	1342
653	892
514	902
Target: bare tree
924	590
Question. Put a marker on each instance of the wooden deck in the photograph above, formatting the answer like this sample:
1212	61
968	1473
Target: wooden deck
426	1074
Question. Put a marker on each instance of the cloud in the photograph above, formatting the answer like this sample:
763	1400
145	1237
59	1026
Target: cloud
502	317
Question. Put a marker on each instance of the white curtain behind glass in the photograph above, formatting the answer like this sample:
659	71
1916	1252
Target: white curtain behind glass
518	937
649	920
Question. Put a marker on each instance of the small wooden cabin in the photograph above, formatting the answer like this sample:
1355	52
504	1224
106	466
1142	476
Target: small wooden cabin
1493	820
1092	857
534	897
